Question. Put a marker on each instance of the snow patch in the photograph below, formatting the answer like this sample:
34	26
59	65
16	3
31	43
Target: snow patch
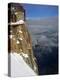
17	23
19	66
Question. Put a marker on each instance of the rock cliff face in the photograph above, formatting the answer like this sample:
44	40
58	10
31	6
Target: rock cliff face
18	35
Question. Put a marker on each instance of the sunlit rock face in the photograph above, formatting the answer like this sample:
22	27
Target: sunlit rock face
18	36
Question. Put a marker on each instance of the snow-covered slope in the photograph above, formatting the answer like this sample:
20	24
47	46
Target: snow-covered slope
19	67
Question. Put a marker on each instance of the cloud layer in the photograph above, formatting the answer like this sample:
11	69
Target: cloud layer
44	30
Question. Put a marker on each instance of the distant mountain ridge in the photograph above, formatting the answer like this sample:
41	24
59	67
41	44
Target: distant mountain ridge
43	21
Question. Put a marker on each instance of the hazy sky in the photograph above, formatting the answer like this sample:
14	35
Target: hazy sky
40	11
